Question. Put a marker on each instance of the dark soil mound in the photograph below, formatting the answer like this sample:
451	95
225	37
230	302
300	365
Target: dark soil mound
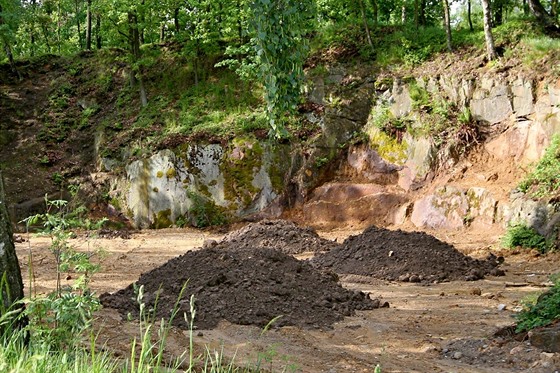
404	256
281	235
244	286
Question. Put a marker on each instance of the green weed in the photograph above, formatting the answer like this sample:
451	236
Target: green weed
543	181
382	118
520	235
60	318
204	212
544	311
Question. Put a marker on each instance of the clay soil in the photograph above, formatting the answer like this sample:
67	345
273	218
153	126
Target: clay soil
435	327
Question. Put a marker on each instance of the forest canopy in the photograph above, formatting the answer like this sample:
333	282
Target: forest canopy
263	40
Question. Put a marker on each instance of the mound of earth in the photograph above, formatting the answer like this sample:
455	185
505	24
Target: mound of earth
243	286
281	235
404	256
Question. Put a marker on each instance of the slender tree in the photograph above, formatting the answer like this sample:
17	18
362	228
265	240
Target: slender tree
543	17
88	25
469	15
366	27
490	47
134	40
78	25
279	27
98	31
447	23
12	288
5	34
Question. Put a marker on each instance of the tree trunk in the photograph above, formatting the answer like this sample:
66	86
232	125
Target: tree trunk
447	20
543	18
498	14
162	32
46	36
469	15
9	265
58	28
8	50
32	34
403	14
77	9
422	15
142	20
176	20
88	25
98	31
239	22
490	48
134	38
366	27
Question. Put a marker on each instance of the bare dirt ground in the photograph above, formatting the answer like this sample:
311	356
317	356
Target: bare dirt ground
444	327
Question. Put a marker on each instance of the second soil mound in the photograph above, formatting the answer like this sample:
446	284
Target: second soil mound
281	235
243	286
404	256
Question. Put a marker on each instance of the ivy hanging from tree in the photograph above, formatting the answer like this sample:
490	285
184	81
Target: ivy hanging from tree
279	28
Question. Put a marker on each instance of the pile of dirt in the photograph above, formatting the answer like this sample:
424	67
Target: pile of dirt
404	256
245	286
281	235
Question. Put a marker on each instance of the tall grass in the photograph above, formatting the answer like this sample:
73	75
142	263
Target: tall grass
19	354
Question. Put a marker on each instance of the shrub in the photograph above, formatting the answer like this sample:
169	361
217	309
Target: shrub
542	312
524	236
204	212
544	180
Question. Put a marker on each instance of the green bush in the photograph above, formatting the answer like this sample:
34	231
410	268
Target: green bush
524	236
544	180
204	212
542	312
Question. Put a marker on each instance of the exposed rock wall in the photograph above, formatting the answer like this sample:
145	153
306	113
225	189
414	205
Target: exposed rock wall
352	172
242	179
520	116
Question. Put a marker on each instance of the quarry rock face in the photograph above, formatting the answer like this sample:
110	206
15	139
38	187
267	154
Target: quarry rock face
203	179
446	209
491	101
346	203
338	180
453	208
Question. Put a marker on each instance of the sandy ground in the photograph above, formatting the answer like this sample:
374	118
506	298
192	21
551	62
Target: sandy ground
410	336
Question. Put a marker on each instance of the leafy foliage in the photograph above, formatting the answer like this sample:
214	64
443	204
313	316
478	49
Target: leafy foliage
520	235
543	312
279	28
60	318
382	118
544	180
204	212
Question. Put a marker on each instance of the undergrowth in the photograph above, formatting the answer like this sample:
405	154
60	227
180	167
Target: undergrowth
520	235
54	334
544	311
544	180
